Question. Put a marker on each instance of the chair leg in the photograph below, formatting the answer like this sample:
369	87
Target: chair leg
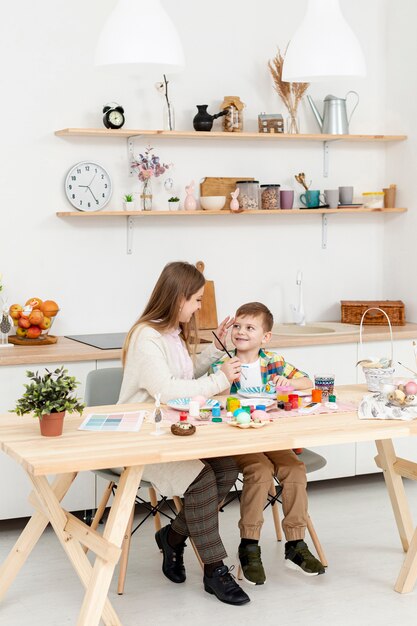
154	502
178	506
124	557
316	542
275	513
101	508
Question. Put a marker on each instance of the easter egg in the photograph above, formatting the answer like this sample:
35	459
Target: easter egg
411	388
200	399
259	414
243	418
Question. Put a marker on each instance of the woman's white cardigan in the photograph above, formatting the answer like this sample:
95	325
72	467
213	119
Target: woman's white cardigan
149	370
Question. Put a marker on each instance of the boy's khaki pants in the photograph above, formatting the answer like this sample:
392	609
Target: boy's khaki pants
258	470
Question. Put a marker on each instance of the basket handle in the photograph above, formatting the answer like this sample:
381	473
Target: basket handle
390	329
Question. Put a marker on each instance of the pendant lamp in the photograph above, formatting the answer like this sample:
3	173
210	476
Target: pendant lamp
140	32
323	46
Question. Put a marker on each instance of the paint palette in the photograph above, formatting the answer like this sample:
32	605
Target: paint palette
123	422
265	391
182	404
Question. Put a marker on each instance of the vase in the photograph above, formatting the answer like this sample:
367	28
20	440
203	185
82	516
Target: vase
146	195
52	424
168	117
293	124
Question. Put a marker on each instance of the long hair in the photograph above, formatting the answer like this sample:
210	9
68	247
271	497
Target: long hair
177	280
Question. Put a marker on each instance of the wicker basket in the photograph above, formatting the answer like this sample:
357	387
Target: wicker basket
375	376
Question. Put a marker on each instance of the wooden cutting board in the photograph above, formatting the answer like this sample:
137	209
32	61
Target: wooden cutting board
207	316
220	187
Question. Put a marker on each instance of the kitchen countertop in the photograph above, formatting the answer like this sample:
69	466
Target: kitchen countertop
67	350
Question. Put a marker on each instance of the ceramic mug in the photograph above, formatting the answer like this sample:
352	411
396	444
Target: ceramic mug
331	197
345	195
286	198
311	198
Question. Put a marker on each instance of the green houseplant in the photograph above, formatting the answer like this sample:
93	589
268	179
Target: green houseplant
173	203
48	397
128	202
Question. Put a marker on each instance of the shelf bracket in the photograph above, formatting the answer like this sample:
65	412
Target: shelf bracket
129	234
326	158
324	219
131	154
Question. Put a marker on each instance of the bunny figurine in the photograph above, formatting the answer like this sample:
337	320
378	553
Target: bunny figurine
234	202
190	203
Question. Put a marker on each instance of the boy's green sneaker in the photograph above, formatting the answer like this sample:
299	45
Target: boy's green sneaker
251	565
299	557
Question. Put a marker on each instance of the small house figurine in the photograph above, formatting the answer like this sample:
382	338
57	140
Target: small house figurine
270	123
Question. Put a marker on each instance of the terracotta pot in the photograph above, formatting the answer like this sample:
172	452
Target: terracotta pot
51	425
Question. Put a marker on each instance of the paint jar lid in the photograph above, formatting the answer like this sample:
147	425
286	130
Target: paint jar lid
260	407
216	419
183	416
215	411
332	398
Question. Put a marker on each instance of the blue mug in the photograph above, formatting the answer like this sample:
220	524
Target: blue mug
311	198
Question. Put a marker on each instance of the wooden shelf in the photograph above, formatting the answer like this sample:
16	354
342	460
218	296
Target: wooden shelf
294	212
179	134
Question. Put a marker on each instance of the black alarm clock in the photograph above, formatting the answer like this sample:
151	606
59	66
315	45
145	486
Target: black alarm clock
113	115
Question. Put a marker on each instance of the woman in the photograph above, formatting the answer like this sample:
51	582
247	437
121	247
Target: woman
156	359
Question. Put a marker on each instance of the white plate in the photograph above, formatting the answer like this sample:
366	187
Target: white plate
182	404
260	392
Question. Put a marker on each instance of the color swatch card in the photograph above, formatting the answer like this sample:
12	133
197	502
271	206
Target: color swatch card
123	422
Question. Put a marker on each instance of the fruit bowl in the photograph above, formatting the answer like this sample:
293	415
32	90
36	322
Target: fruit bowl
33	320
212	203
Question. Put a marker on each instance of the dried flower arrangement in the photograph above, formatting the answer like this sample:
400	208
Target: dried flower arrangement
290	93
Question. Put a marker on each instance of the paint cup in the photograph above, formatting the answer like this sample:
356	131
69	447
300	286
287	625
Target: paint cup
331	197
286	198
325	382
345	195
389	197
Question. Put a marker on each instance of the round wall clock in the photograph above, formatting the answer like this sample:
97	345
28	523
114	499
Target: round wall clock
88	186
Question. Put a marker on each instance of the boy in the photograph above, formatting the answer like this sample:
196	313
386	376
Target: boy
251	331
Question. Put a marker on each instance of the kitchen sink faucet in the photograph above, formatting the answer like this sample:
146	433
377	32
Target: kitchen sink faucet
298	311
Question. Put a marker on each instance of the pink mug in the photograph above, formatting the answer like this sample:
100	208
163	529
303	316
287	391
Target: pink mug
286	198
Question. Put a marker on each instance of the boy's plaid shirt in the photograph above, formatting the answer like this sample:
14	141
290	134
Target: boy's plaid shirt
271	364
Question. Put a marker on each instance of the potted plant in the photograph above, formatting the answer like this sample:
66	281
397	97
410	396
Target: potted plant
173	203
48	397
128	204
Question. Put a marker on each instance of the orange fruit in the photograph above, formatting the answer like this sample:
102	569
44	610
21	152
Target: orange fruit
49	308
33	332
35	303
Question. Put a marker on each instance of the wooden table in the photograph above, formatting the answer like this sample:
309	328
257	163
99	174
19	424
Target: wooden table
78	451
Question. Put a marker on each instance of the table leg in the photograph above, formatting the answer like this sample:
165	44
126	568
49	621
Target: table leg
72	546
30	536
395	487
115	528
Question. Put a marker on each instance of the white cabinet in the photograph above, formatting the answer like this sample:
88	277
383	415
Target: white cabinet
15	484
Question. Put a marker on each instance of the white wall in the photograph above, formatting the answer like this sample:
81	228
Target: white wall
49	82
401	94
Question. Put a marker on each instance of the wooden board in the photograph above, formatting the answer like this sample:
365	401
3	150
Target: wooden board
23	341
220	186
207	315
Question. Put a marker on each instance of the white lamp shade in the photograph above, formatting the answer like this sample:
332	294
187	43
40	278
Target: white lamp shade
140	32
323	46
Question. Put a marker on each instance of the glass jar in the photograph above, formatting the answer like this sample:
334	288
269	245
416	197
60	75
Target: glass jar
233	119
248	194
373	199
270	196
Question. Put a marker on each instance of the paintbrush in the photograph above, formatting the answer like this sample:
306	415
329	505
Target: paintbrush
226	350
407	368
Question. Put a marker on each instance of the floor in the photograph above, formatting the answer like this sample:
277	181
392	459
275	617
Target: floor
355	524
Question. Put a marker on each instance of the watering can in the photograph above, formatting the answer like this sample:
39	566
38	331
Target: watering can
335	120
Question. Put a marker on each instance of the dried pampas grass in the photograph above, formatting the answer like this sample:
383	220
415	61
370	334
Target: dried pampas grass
290	93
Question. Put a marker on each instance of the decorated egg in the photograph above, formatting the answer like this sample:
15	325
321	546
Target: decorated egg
243	418
259	415
200	399
410	388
